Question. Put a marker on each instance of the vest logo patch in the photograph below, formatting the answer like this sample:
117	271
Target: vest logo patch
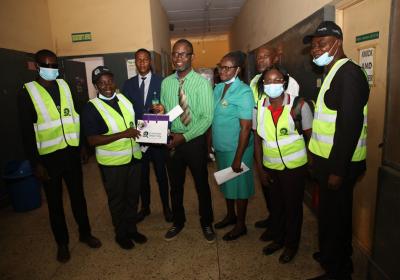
67	112
283	131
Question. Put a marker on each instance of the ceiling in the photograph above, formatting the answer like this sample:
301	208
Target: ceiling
188	18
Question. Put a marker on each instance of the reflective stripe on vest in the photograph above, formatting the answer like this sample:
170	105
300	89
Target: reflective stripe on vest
54	129
324	124
121	151
283	146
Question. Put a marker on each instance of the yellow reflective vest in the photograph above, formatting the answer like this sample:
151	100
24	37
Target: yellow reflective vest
283	147
55	128
121	151
323	128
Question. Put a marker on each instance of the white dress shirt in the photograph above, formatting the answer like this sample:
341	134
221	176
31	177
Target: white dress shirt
146	84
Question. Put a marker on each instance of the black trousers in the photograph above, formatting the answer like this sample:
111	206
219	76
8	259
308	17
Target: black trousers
192	154
287	193
267	198
122	185
335	225
158	156
65	164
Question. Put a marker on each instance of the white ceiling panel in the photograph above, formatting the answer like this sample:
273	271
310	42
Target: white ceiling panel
201	17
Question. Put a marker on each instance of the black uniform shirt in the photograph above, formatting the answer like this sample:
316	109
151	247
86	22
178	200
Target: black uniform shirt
348	94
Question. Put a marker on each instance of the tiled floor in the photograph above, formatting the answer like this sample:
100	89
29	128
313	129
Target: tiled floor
27	249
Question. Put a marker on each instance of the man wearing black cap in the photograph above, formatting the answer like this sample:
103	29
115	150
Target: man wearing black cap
109	124
338	145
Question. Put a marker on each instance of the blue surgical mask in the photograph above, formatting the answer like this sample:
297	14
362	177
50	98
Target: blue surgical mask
325	58
273	90
49	74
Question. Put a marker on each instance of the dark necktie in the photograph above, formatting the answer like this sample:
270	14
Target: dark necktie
141	88
185	116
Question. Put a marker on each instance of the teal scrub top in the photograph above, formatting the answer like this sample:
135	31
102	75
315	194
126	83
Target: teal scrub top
237	104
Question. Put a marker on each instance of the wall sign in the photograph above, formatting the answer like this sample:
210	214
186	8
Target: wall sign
81	37
367	37
366	61
130	68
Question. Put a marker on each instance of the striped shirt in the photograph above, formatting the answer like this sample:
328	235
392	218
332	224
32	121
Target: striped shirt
200	100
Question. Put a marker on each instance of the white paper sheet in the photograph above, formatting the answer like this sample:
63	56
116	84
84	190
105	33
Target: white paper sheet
227	174
174	113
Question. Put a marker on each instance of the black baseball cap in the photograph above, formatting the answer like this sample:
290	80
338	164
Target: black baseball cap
99	71
325	28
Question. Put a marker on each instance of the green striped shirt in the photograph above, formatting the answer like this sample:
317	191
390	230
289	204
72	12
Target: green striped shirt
199	97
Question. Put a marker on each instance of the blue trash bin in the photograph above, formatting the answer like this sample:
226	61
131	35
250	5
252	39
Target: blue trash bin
22	186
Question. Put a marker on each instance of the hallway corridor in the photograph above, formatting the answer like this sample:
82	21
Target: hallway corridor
28	250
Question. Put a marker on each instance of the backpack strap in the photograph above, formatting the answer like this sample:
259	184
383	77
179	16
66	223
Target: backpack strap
298	103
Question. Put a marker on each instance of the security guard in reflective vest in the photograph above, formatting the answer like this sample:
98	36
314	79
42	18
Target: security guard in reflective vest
50	129
281	158
109	124
338	145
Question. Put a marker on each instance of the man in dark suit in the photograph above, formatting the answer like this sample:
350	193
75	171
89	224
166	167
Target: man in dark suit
144	91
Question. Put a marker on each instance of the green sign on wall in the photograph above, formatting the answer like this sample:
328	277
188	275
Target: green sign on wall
367	37
81	37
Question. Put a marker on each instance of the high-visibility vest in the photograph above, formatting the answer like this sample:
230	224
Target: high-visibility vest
55	128
323	128
254	88
283	147
120	151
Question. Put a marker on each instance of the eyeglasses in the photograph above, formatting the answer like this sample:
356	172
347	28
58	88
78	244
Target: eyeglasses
181	54
274	81
225	68
49	65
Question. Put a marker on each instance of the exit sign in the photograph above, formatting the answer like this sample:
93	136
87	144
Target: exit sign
367	37
81	37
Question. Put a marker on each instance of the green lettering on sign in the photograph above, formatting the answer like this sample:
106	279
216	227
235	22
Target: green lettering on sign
81	37
367	37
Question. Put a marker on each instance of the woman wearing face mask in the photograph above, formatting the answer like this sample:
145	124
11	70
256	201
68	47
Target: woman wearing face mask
281	157
233	141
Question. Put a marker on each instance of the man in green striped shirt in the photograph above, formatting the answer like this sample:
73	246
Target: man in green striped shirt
187	143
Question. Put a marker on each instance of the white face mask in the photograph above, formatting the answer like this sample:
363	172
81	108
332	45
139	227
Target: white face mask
107	98
325	58
231	80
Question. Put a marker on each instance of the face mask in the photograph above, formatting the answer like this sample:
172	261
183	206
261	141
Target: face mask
107	98
273	90
49	74
325	58
230	81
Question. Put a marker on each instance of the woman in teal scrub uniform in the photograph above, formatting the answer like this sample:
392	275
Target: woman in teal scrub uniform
232	140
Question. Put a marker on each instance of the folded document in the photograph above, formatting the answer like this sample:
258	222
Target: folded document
227	174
